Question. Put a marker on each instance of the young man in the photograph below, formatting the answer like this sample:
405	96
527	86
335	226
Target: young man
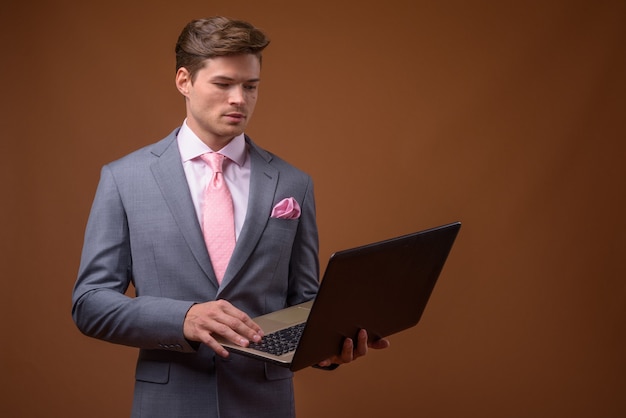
151	224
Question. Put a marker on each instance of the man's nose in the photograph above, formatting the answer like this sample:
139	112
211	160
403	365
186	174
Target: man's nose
237	95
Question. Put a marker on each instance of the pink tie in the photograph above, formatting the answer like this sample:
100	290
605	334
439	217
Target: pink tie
218	223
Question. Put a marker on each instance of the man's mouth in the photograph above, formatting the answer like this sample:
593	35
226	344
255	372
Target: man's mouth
235	116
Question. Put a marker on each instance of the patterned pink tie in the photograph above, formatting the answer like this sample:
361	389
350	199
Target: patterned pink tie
218	223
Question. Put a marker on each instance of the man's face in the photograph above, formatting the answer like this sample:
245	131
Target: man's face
221	99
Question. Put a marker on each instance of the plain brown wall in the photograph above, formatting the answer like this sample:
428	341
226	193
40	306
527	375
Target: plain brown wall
508	116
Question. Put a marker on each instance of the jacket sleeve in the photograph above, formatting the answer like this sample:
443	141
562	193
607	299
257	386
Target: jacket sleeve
100	306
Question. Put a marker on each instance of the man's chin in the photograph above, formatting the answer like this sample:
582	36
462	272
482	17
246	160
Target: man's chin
234	131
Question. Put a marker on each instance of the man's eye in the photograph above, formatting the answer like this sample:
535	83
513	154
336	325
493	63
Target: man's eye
250	87
221	85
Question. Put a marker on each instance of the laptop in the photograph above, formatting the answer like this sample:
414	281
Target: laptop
382	287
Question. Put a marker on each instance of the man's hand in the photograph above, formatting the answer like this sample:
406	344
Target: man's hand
203	320
349	353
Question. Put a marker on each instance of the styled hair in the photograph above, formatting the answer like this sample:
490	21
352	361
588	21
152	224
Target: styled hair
216	37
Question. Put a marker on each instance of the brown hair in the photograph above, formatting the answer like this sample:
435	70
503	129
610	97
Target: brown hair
215	37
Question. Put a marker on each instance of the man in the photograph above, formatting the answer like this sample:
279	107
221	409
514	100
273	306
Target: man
150	224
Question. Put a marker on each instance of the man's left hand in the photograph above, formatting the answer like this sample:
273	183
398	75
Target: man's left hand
350	353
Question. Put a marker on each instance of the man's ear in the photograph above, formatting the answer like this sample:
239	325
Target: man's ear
183	81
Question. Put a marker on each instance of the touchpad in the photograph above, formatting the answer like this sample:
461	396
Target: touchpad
289	316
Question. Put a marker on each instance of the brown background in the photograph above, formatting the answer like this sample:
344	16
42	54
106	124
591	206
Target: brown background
508	116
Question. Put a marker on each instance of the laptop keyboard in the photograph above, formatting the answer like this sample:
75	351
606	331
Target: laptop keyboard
280	342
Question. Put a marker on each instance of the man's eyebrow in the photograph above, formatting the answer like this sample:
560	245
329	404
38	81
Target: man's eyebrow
226	78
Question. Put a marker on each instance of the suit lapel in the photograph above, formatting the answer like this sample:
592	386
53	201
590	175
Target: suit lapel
263	181
170	176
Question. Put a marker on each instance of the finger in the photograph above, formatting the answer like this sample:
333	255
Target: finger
243	331
215	346
235	336
361	348
346	355
379	344
228	334
347	351
325	363
204	321
240	322
231	323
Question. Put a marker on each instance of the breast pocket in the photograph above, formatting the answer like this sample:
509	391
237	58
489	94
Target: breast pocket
278	238
283	229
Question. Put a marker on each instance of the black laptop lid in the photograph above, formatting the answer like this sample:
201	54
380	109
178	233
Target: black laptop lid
382	287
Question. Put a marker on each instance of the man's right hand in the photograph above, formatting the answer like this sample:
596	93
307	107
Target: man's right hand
203	320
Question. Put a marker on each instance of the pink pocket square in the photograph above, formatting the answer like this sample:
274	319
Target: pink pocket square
286	209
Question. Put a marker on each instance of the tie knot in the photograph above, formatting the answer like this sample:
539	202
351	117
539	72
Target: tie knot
214	160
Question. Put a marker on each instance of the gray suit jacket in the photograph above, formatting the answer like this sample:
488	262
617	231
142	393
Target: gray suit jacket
143	229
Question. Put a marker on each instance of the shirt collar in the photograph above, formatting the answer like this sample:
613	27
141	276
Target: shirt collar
190	146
